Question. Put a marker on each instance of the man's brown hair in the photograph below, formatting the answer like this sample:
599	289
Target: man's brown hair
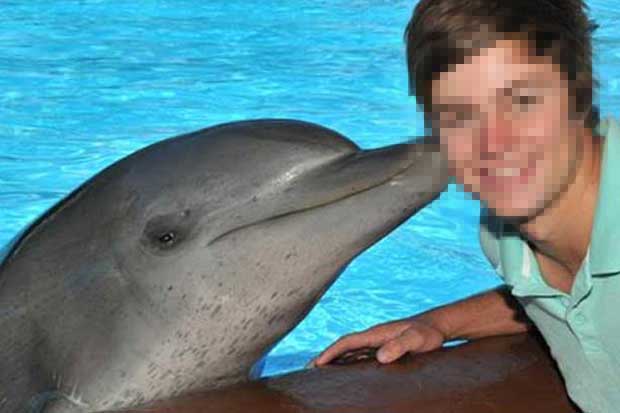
443	33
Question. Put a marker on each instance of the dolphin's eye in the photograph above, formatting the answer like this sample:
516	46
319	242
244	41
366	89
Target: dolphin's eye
167	238
162	238
168	233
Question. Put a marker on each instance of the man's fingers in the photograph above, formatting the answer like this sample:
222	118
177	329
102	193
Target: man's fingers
409	340
343	344
373	337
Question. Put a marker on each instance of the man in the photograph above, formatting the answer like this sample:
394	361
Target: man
507	87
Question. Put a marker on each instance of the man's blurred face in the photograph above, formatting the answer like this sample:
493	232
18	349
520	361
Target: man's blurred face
504	122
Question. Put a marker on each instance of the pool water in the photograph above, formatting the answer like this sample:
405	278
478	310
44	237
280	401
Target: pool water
84	83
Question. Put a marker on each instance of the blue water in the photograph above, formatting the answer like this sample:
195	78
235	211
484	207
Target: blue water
84	83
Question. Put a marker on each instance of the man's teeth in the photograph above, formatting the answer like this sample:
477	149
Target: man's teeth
507	172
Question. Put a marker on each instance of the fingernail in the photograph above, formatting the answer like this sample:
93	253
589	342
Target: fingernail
382	357
310	365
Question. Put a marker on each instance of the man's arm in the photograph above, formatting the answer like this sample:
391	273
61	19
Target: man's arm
492	313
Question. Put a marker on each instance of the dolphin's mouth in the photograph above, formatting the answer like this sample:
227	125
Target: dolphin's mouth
297	211
344	178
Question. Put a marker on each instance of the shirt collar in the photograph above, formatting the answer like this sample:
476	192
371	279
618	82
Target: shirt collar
605	236
519	267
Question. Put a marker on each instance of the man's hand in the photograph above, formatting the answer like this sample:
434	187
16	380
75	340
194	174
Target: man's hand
394	339
491	313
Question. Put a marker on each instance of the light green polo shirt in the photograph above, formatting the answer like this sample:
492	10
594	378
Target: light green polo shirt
582	328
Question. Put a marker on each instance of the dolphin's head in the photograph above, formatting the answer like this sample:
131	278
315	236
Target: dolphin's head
261	190
258	218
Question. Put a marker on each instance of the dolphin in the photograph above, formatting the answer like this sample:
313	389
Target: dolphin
176	268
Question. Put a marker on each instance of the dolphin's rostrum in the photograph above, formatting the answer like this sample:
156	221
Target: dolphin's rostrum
176	268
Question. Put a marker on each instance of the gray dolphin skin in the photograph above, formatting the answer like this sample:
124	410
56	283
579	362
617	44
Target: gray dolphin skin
176	268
